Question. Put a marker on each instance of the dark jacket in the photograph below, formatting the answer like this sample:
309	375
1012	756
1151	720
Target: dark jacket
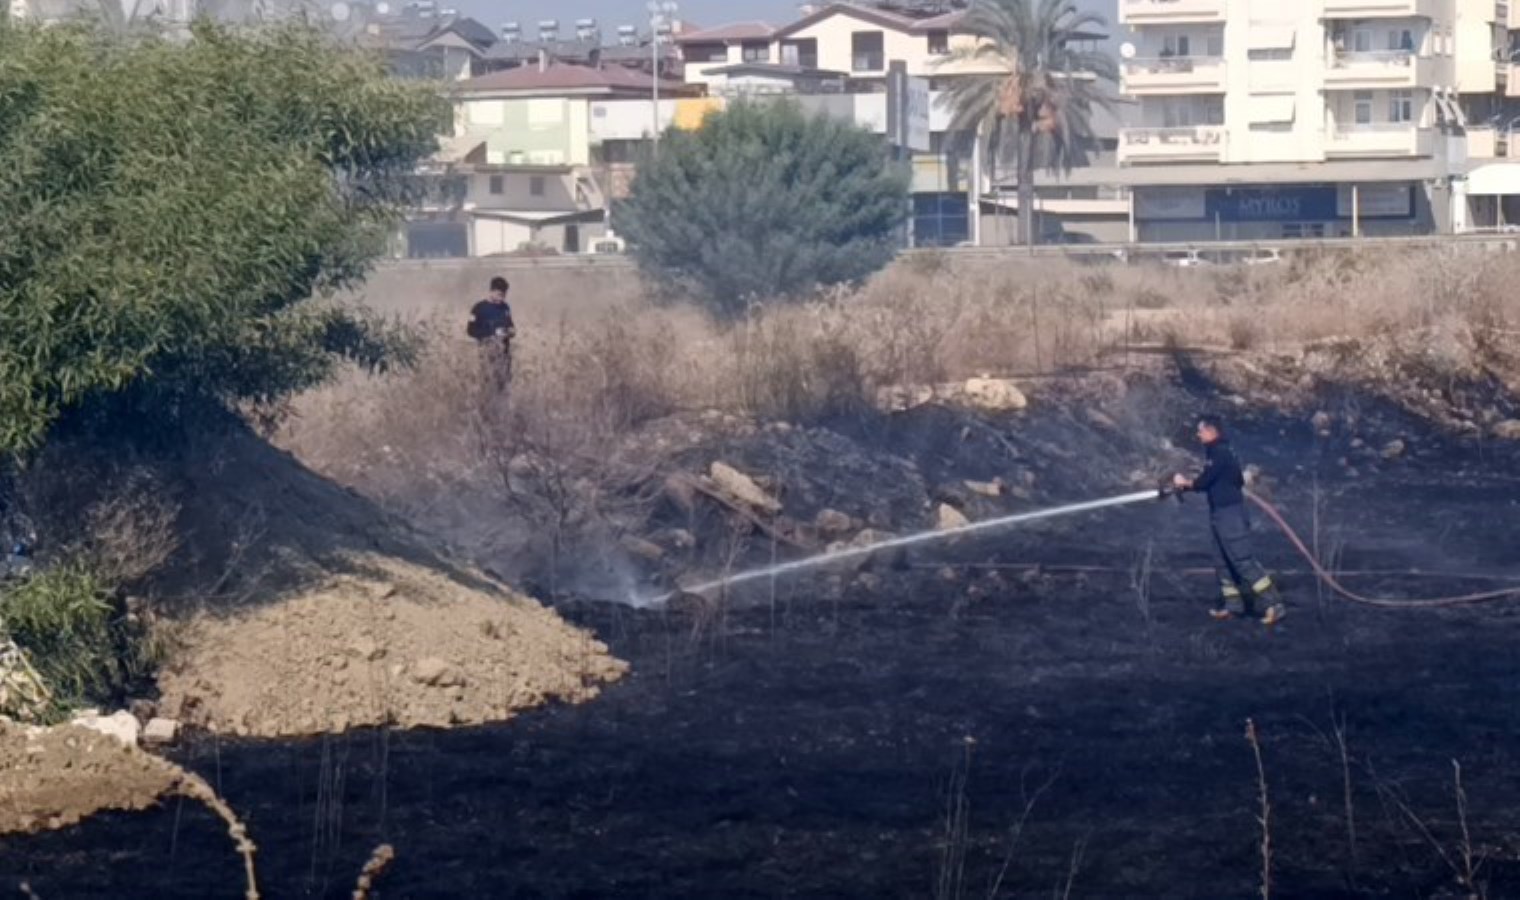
1221	477
489	320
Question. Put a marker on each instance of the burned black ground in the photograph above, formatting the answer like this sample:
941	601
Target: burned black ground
815	742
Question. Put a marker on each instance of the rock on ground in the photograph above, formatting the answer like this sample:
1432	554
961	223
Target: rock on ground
389	643
123	726
948	517
55	777
743	488
995	394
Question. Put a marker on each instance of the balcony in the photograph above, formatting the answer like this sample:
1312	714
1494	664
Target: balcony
1348	70
1381	140
868	62
1174	75
1167	12
1196	143
1382	9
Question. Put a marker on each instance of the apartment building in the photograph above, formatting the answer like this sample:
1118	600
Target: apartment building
1311	118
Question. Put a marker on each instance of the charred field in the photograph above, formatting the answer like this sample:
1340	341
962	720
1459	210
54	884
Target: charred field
1038	711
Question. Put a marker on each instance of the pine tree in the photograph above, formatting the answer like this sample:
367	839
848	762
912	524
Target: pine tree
764	201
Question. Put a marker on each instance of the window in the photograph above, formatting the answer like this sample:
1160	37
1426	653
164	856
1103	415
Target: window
1215	43
756	52
1361	41
867	51
497	186
1401	39
1278	54
803	53
536	186
707	53
1401	106
1361	108
939	43
1176	45
940	220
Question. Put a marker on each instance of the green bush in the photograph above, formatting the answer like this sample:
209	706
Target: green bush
169	208
764	201
75	633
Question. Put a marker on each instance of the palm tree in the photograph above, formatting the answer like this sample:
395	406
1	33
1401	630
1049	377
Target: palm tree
1036	100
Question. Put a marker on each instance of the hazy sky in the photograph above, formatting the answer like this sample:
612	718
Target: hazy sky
611	13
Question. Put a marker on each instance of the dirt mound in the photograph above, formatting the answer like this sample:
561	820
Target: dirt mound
54	777
291	606
391	643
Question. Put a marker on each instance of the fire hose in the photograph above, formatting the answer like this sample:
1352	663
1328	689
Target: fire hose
1330	580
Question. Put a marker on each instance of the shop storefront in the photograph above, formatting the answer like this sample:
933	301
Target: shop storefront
1279	212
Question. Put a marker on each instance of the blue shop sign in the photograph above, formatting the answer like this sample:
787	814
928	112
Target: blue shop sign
1292	204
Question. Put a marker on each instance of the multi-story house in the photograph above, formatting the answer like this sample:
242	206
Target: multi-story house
531	152
835	60
1260	120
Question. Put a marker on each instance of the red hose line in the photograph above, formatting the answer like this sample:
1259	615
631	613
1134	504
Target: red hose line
1329	579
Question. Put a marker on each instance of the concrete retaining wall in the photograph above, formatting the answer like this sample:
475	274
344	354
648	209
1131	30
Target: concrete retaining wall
543	291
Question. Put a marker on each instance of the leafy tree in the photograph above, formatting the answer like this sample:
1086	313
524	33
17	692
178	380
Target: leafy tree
1035	104
168	208
764	201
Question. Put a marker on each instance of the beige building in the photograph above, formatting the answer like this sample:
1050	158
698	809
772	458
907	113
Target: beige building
1311	118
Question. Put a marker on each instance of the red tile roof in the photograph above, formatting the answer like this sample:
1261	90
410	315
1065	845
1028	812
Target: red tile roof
736	31
529	78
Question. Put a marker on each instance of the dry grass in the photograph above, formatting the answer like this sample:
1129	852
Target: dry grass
562	449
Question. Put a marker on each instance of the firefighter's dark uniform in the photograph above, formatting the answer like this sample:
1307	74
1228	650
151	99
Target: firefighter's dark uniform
1241	577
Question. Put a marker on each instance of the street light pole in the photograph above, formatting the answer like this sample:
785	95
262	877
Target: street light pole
661	16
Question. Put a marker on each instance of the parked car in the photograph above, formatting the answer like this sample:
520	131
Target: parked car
1183	259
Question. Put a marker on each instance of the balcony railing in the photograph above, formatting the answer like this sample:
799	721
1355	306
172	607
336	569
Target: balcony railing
868	62
1171	65
1345	59
1202	142
1176	74
1380	139
1150	11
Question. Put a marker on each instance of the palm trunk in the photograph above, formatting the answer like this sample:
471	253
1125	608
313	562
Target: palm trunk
1026	185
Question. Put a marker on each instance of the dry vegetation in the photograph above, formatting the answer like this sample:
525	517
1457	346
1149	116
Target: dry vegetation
569	452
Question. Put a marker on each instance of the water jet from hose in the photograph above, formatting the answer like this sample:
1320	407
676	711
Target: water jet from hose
922	537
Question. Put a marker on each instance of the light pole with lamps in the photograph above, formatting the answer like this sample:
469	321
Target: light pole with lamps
662	17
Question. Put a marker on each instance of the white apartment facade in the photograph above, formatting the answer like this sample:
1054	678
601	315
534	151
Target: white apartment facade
1270	119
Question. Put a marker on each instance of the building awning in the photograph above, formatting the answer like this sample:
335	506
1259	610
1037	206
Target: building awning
461	148
1271	38
1272	109
1494	179
538	216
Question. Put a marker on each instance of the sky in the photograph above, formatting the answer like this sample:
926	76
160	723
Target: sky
612	13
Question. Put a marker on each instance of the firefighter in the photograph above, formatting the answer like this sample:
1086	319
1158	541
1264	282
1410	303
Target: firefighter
1242	580
492	328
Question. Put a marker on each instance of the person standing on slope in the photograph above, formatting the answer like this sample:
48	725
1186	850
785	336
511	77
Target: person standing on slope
492	328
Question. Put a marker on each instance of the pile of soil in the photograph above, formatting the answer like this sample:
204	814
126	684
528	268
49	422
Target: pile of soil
52	778
390	643
291	606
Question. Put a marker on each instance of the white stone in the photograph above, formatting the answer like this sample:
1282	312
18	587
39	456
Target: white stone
948	517
743	488
995	394
160	731
120	725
